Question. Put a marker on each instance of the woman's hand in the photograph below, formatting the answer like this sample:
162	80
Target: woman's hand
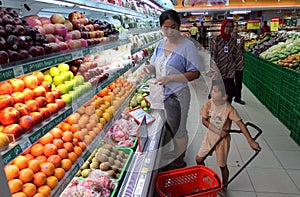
163	80
147	69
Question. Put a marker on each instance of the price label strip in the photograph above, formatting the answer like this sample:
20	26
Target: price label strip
18	71
25	144
77	54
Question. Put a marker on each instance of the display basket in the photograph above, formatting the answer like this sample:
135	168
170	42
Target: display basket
191	181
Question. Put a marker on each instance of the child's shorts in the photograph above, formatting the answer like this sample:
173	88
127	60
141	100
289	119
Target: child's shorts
222	149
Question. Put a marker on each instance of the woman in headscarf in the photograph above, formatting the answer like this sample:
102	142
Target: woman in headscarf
223	56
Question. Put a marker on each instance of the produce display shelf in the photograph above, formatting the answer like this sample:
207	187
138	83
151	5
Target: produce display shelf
286	115
16	69
272	101
29	139
86	154
137	31
145	46
290	86
142	62
273	77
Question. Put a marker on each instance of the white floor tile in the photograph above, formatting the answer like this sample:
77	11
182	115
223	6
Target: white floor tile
295	175
281	143
240	194
276	195
289	159
272	180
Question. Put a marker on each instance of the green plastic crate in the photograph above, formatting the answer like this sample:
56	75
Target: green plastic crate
295	137
273	77
260	91
290	89
287	114
272	101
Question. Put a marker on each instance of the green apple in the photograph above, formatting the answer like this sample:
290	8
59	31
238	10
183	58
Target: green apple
79	79
143	104
74	94
67	98
63	67
139	98
70	74
69	84
88	85
63	88
47	72
58	79
54	71
48	78
66	76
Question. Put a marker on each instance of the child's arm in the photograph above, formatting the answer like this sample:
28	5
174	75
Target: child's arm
213	128
254	145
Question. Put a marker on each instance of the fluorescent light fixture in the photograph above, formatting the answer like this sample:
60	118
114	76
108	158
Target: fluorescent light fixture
57	2
240	12
99	10
199	13
153	5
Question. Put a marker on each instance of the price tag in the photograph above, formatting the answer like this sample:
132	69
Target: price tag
77	54
80	161
74	106
144	170
18	71
140	187
25	143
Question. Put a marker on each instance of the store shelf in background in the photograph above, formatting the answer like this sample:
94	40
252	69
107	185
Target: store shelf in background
136	31
13	70
145	46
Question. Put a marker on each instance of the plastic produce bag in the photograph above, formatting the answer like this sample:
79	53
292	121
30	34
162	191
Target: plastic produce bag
156	95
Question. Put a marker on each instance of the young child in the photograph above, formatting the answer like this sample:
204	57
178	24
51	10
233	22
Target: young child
217	115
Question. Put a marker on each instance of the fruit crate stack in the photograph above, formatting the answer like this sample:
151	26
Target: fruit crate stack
278	88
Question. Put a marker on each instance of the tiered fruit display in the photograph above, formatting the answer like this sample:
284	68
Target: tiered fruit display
292	61
25	102
64	81
108	159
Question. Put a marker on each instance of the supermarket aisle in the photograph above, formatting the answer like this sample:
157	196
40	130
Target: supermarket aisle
275	172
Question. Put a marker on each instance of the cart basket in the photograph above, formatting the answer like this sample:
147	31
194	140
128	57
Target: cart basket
191	181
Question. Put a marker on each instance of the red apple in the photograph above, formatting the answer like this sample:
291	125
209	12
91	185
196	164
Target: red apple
41	101
69	25
33	105
9	115
45	20
63	46
5	88
37	117
30	81
17	85
56	93
57	18
13	129
6	101
40	76
49	29
22	108
61	103
19	97
61	30
39	91
47	86
29	94
53	107
50	98
46	113
26	122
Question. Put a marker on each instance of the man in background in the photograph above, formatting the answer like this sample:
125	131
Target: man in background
265	28
202	34
194	31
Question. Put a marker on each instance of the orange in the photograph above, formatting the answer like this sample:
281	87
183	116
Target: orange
66	164
77	151
103	92
102	121
39	179
82	145
34	165
41	159
100	125
29	189
45	190
107	98
59	126
87	139
47	168
62	153
72	157
55	160
46	139
65	126
67	136
11	171
74	128
52	181
92	134
26	175
58	143
56	133
19	194
29	156
37	149
15	185
68	146
21	162
76	136
73	118
75	142
50	149
26	151
39	195
59	173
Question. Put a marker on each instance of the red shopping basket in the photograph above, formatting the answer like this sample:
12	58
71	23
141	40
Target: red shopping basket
191	181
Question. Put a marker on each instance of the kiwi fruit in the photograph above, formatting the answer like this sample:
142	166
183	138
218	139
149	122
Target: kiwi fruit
119	157
120	169
114	168
118	163
107	146
102	157
104	166
111	160
104	151
115	150
113	155
111	173
117	175
121	153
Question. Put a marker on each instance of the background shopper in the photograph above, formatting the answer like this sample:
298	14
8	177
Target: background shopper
202	34
239	64
265	28
194	31
175	62
223	56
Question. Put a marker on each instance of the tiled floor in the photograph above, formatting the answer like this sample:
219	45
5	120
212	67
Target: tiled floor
275	172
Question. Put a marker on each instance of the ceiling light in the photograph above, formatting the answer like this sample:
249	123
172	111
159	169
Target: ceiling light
57	2
240	12
199	13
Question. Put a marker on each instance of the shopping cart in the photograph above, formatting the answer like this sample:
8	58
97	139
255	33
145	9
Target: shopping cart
197	181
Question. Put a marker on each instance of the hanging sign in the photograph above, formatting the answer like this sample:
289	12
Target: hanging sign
193	18
294	22
142	135
288	22
253	24
274	24
236	17
208	18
